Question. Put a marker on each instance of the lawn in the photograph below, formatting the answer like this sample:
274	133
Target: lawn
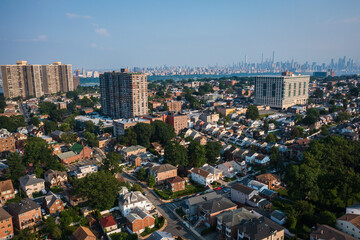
226	179
159	223
189	189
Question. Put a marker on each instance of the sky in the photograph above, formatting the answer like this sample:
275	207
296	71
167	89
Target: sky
148	33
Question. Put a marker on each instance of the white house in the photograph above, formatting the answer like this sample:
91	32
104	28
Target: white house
201	176
228	169
261	159
353	209
349	224
85	170
131	200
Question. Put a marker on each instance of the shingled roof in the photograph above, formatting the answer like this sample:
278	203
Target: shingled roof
242	188
217	205
162	168
25	205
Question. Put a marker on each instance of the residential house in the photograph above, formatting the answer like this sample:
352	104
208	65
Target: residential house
228	169
137	220
353	209
84	170
227	222
53	204
131	200
83	233
176	183
163	172
257	185
6	191
325	232
108	223
157	235
83	152
56	135
278	216
133	150
271	180
6	225
190	206
30	184
349	224
205	175
135	160
261	229
242	194
68	157
208	210
55	178
26	213
261	159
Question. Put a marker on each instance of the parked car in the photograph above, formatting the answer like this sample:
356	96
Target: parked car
226	190
217	189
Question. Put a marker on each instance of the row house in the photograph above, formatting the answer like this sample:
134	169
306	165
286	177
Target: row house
55	178
137	220
6	225
26	213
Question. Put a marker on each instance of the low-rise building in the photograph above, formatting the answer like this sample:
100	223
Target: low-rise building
6	225
349	224
324	232
163	172
260	229
131	200
108	223
271	180
83	233
30	184
55	178
176	183
26	213
6	191
120	125
84	170
132	150
177	121
242	194
137	220
53	204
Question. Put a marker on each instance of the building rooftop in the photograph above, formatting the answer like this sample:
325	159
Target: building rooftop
329	233
25	205
4	214
30	180
242	188
66	155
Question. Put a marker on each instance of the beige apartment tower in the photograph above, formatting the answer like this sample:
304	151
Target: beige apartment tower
24	80
282	91
124	94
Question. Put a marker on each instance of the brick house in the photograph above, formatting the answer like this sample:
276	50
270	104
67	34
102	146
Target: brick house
132	150
108	223
6	191
269	179
26	213
30	184
163	172
6	225
7	144
53	204
135	160
77	153
138	220
208	210
83	233
55	178
175	183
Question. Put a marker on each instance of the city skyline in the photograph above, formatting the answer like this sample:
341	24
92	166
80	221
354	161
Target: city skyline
95	35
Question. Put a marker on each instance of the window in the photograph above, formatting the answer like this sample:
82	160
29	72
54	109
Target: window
304	88
294	89
299	88
289	89
273	89
264	89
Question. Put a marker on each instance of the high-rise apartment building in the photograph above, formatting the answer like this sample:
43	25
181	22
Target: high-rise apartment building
282	91
124	94
24	80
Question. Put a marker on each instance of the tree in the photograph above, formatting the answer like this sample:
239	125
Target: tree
162	132
25	234
123	236
90	126
312	115
12	123
196	154
35	121
342	116
143	132
176	154
270	138
52	228
16	167
252	112
141	174
266	125
91	139
65	127
112	162
213	150
297	132
100	188
324	130
137	187
151	181
328	218
47	107
68	138
49	126
129	138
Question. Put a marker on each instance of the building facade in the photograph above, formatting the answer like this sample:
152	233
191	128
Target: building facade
124	94
282	91
24	80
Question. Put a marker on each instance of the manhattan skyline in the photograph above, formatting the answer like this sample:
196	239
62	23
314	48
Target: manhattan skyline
106	35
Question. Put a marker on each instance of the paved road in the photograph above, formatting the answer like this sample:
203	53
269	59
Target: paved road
174	226
24	112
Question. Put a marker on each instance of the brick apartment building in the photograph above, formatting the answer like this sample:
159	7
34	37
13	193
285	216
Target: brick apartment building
177	121
7	144
163	172
174	106
6	191
176	183
26	213
138	220
6	225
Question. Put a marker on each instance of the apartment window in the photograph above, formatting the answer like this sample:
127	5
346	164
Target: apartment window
299	88
294	89
273	89
264	89
304	87
289	89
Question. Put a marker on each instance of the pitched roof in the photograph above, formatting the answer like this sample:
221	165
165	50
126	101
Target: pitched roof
217	205
352	218
259	228
203	198
25	205
242	188
235	217
201	172
4	214
50	198
30	180
52	173
6	185
329	233
160	235
132	197
133	148
175	179
162	168
83	233
108	221
136	214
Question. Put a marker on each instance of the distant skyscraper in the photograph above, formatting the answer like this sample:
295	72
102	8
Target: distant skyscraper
83	72
273	58
281	91
24	80
124	94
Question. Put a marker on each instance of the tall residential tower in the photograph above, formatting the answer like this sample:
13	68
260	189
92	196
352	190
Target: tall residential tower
282	91
24	80
124	94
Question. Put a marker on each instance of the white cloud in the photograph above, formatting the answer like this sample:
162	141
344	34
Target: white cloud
93	45
349	20
73	16
102	32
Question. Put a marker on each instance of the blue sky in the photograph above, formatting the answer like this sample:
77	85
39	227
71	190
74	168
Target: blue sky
113	34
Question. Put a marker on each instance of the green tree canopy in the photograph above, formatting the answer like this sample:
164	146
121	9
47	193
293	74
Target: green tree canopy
176	154
252	112
100	188
112	162
163	132
91	139
196	154
143	132
271	138
213	150
16	167
312	115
